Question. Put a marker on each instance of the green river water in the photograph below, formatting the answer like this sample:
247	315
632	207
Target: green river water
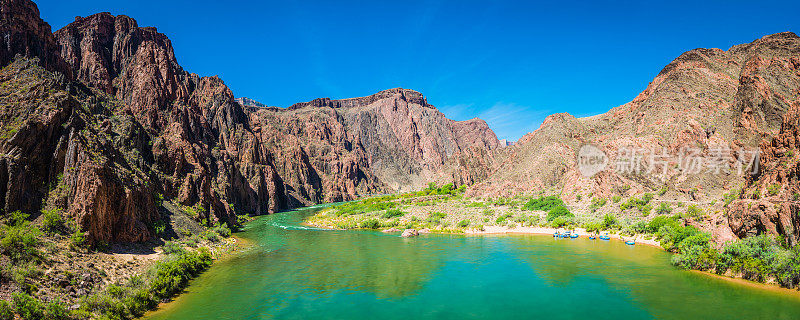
295	272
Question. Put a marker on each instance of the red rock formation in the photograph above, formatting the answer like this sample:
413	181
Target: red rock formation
135	125
747	89
770	202
24	33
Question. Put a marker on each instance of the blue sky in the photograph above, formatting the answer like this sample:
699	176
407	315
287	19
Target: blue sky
509	63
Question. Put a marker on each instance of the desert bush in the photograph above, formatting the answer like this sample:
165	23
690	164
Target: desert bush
171	247
558	211
543	203
609	221
392	214
222	230
664	208
26	306
730	196
561	221
773	189
52	222
21	242
6	310
597	203
694	211
369	224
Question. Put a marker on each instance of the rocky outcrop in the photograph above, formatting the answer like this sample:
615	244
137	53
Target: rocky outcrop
747	89
132	128
24	33
136	65
770	201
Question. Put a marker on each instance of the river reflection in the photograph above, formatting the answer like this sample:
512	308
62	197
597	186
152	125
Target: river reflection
294	272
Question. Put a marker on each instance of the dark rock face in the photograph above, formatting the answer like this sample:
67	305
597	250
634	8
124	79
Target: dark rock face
24	33
770	202
134	127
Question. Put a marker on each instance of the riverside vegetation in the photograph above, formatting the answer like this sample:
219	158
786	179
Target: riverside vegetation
446	209
39	259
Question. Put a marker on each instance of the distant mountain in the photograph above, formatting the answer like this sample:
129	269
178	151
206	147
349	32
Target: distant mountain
116	125
247	102
719	104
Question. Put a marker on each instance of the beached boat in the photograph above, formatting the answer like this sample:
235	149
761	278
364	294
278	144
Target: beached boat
605	238
630	242
573	236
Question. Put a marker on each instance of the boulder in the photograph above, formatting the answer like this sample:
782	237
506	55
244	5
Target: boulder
407	233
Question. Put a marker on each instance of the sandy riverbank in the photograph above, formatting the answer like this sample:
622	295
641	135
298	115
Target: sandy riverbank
526	230
549	231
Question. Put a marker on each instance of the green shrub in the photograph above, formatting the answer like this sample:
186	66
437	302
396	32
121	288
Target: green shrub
558	211
609	221
773	189
172	275
694	211
171	247
664	208
222	230
27	307
646	209
662	191
6	310
77	240
593	226
435	216
52	222
561	221
56	311
211	236
502	219
616	199
597	203
463	223
476	204
730	196
543	203
159	227
20	242
369	224
671	235
17	218
392	213
655	225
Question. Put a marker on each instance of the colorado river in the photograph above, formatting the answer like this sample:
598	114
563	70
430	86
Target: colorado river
296	272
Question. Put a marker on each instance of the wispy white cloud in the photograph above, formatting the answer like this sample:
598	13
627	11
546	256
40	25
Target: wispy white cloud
511	121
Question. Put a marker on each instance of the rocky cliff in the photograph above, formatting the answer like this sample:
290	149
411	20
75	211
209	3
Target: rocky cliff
710	105
99	119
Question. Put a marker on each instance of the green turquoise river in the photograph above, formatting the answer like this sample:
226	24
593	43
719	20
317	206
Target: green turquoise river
295	272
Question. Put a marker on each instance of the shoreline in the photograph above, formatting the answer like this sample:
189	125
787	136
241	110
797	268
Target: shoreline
221	252
493	230
490	230
763	286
